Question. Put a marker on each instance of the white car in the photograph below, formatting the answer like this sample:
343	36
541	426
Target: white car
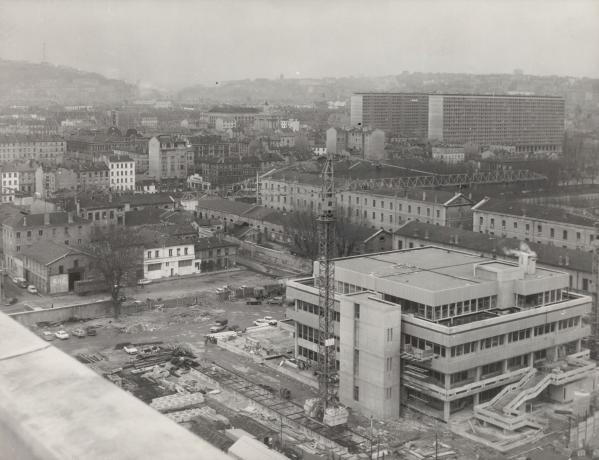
62	335
143	282
31	289
47	335
130	349
267	320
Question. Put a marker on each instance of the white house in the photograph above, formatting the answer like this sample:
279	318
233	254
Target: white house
168	256
10	184
122	172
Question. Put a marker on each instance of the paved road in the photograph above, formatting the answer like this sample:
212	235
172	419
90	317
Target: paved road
165	289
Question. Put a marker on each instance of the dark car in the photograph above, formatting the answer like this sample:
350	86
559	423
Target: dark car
91	330
253	302
11	301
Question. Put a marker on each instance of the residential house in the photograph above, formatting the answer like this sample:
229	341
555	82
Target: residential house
24	230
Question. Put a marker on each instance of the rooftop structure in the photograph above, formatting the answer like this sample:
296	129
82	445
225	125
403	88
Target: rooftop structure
94	418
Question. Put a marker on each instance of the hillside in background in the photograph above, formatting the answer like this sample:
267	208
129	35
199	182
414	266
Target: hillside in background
44	84
583	92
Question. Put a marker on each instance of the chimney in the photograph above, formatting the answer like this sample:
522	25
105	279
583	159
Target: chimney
46	218
70	217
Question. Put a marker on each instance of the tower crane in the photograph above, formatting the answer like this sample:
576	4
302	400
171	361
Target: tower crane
326	406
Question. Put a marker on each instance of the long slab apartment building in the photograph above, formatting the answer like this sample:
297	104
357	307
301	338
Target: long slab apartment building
440	330
531	124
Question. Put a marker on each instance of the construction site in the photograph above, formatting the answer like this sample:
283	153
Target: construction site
481	359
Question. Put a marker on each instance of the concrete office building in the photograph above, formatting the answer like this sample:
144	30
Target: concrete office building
441	330
541	224
531	124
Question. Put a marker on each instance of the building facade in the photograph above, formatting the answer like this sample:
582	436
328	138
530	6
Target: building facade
122	172
532	124
94	176
24	230
442	330
48	150
169	157
541	224
10	185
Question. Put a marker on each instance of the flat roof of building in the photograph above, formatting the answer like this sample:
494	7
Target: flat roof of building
557	256
428	268
458	94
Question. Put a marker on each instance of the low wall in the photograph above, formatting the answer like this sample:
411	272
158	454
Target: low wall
101	309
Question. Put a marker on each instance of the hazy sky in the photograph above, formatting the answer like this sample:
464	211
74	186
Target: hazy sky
182	42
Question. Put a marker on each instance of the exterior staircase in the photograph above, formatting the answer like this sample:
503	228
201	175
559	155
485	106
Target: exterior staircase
504	411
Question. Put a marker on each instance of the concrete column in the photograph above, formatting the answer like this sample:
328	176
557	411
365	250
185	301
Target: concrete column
531	359
578	346
446	411
447	381
478	372
476	397
504	366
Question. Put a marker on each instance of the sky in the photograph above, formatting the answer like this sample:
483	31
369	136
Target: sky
177	43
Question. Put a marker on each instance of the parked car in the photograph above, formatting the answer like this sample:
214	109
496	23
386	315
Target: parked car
130	349
267	320
217	328
275	301
253	302
11	301
18	279
91	330
31	289
79	333
47	335
23	284
143	282
62	335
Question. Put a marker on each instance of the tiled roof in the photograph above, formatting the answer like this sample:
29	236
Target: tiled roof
490	244
22	220
118	158
549	213
428	196
46	252
17	138
212	242
99	200
146	216
234	207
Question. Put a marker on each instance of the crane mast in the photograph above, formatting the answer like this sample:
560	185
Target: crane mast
327	363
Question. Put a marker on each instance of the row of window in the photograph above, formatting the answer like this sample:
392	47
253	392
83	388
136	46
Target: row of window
170	252
314	309
565	234
40	232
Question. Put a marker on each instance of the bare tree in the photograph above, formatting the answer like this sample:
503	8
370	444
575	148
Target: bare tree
302	230
115	253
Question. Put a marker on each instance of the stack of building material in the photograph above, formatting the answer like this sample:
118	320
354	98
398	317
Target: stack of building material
178	401
184	415
210	414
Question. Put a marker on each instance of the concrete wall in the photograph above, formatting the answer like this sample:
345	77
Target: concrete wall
84	311
374	341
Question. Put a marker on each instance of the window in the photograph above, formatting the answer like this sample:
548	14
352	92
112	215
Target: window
565	234
75	263
356	393
18	235
185	251
515	225
439	214
539	228
503	224
178	251
389	364
155	253
170	252
149	254
388	393
60	270
492	225
552	233
28	234
154	267
374	203
390	334
356	311
577	236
